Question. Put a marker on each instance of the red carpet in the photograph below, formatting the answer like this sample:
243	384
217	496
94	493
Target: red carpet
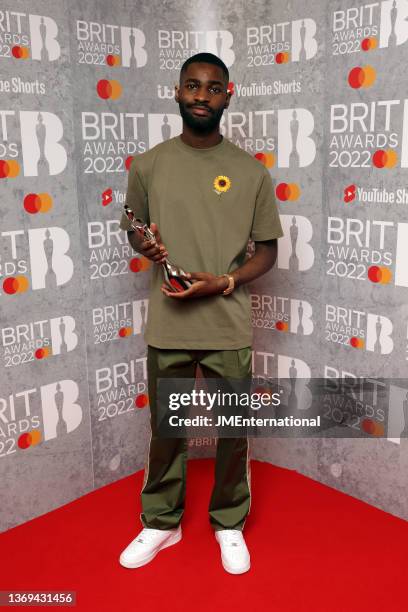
312	548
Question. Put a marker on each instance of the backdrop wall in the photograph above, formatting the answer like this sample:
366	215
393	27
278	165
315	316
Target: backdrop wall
319	97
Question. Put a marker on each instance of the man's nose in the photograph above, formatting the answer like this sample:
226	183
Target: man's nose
202	94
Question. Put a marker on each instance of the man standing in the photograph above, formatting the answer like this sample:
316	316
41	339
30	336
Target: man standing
208	197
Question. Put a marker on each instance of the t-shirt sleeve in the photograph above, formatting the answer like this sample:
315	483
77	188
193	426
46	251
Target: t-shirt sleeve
136	198
266	223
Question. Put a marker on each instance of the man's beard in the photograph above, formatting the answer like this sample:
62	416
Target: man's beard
202	124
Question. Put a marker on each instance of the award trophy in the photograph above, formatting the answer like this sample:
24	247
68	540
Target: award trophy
173	275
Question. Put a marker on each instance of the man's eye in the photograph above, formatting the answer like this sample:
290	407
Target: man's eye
191	85
215	90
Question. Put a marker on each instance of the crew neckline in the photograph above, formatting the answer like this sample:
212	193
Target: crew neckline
200	150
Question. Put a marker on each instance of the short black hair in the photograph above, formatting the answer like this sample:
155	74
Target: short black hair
205	58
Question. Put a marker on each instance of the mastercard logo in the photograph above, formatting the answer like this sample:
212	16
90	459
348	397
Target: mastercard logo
385	158
42	353
128	161
287	191
141	400
124	332
37	202
361	77
30	438
113	60
357	342
9	168
15	284
379	274
109	90
267	159
282	58
372	427
368	44
20	52
281	326
230	88
139	264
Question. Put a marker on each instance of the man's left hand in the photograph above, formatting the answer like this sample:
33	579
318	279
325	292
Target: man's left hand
204	284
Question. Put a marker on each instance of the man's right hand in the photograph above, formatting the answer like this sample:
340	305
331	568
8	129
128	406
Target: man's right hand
155	251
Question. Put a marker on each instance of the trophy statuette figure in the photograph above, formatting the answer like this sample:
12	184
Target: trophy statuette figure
174	276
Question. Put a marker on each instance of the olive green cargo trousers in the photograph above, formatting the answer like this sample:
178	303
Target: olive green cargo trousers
164	484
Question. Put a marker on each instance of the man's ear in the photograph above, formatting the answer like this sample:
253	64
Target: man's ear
176	92
227	101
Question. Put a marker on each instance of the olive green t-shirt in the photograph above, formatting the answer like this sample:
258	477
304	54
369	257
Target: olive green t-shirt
205	228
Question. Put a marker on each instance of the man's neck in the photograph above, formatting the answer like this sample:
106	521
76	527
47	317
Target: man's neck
200	141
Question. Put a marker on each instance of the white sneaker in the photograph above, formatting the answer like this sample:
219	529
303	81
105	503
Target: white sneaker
234	552
147	544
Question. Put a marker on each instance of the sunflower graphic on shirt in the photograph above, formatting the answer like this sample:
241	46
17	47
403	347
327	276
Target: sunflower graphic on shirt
221	184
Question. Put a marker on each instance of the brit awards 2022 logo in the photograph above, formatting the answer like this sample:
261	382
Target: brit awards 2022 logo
110	253
112	139
281	314
358	329
41	152
29	417
121	388
376	407
280	43
372	250
376	25
34	259
369	134
354	402
283	137
25	36
175	46
121	320
37	340
103	44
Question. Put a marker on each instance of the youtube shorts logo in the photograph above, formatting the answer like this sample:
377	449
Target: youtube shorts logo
349	193
106	197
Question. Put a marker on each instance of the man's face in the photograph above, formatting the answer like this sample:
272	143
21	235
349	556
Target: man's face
202	96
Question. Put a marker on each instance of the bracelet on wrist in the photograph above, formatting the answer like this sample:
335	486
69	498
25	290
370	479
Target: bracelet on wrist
231	284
